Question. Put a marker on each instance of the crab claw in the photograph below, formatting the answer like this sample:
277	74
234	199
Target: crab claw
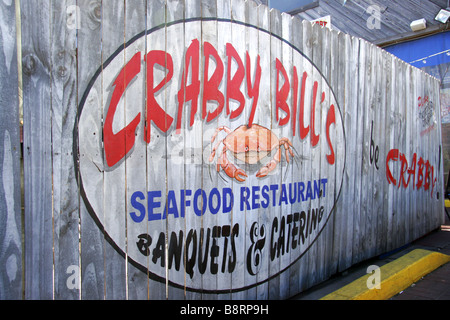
230	169
238	173
264	171
234	172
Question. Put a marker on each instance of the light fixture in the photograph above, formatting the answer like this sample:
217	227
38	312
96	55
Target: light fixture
442	16
417	25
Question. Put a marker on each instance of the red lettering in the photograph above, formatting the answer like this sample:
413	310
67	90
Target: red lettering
314	137
294	100
234	83
213	100
403	170
303	130
118	145
154	111
253	90
412	170
211	90
192	91
426	185
433	179
282	94
331	118
424	179
391	156
420	173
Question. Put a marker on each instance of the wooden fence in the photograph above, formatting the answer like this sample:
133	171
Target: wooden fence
204	149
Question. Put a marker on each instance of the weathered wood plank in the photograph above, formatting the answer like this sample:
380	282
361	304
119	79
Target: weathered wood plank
391	141
286	171
297	62
350	123
305	149
358	141
342	90
224	34
378	132
114	188
238	40
212	101
65	190
137	281
92	242
176	163
156	171
330	57
337	88
275	52
36	50
264	113
11	248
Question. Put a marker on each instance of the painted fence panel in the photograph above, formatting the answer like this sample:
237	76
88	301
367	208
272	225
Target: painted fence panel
209	150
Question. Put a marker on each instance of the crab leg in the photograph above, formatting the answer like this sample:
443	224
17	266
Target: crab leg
225	128
287	147
264	171
229	168
213	152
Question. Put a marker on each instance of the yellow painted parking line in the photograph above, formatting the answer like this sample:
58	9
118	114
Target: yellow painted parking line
394	277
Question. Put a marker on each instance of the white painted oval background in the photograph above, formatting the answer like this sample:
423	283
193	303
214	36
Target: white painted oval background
165	204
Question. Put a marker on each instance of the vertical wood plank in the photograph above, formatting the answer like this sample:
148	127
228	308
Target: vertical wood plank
176	163
358	141
307	49
210	102
350	123
285	171
192	142
156	156
329	67
264	113
92	242
342	90
65	190
114	188
379	129
408	150
313	168
135	23
36	44
367	180
297	62
238	40
11	248
391	141
275	52
224	34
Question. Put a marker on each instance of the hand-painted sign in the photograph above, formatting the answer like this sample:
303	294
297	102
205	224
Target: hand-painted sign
240	204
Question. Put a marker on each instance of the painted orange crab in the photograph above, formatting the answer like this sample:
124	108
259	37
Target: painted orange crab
250	145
